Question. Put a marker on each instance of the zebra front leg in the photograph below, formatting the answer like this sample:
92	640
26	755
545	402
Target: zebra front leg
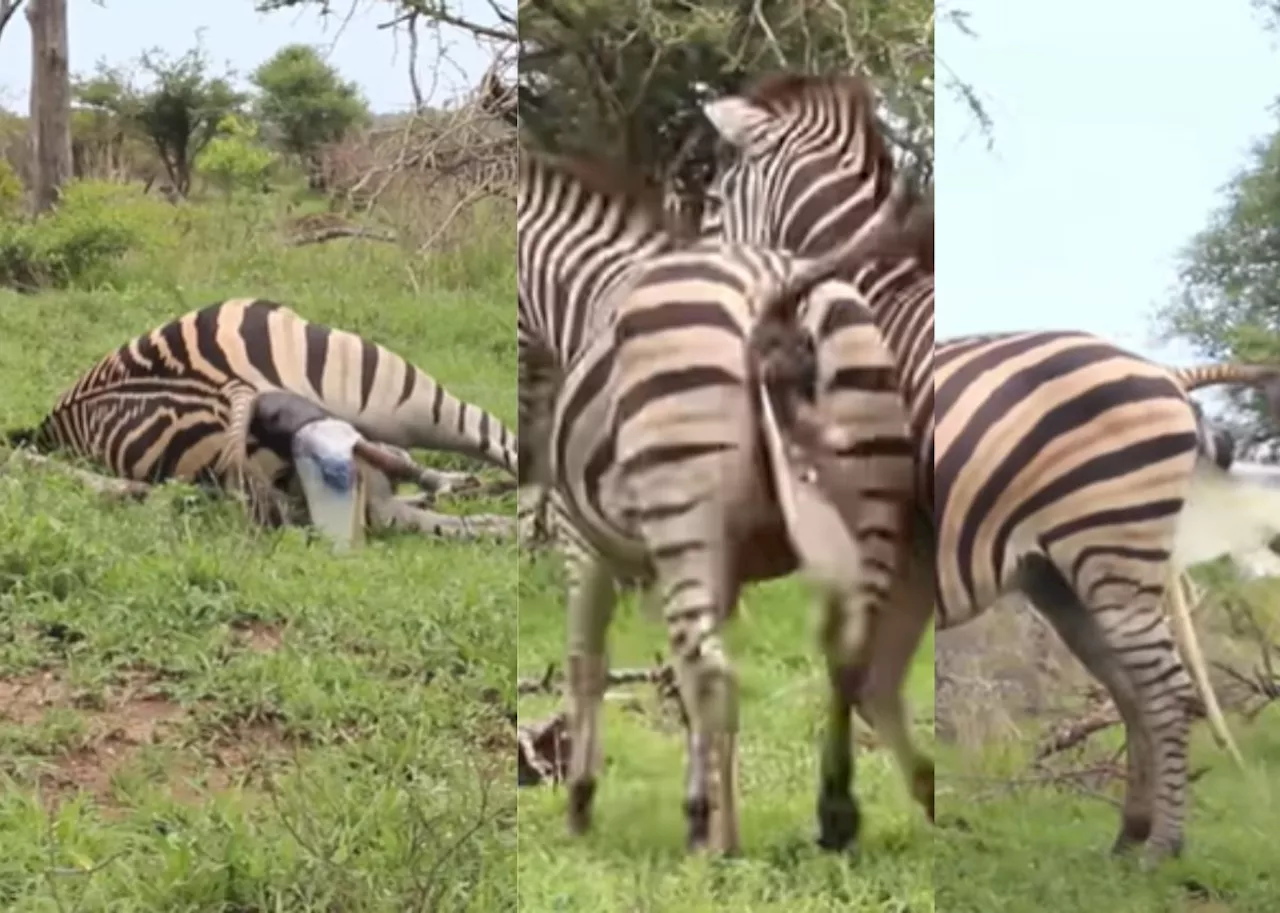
432	481
689	573
592	597
107	486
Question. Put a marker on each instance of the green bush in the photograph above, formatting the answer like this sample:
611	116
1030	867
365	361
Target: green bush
10	192
235	159
78	244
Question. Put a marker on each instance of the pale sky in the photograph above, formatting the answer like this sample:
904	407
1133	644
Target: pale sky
1117	124
120	30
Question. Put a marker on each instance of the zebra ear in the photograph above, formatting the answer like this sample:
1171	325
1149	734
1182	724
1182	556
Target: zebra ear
739	122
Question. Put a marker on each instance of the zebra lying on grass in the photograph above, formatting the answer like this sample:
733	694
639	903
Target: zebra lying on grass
248	395
1064	467
663	449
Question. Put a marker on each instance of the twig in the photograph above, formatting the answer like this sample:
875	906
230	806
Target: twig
1073	732
343	231
550	683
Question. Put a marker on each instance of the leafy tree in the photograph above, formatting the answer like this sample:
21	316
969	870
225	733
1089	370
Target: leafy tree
629	76
1228	301
236	159
178	112
305	102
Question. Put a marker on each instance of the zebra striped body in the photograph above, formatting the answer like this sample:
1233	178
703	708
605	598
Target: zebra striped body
654	448
161	406
810	170
1062	463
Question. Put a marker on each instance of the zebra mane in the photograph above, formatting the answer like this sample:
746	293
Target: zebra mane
640	198
916	235
853	96
908	235
787	89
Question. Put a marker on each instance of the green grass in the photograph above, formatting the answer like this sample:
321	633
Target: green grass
634	859
1002	849
197	716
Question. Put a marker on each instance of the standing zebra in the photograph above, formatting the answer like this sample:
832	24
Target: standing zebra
249	389
654	447
1062	463
812	170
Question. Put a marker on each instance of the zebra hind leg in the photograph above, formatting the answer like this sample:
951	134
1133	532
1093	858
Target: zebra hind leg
1136	662
893	644
838	814
592	598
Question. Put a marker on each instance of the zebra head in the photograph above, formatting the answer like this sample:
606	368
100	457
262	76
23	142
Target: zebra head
807	164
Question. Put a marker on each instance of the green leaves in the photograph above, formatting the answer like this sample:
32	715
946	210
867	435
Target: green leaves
630	76
305	101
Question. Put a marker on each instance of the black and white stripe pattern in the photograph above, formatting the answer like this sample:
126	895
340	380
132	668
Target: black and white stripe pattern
165	405
655	449
1062	463
810	170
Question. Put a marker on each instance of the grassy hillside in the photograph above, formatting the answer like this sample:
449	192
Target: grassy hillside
635	861
198	716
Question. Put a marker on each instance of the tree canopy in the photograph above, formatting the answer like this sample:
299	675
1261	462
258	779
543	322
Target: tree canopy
178	109
1227	304
626	78
305	102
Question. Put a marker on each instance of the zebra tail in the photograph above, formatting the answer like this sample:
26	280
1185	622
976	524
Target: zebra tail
1265	378
797	441
1181	587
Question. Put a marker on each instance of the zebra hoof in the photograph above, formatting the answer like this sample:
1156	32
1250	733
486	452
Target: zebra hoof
1157	852
838	822
581	795
1134	831
697	813
922	789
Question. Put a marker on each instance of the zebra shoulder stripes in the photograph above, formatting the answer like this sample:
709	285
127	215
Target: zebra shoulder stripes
174	402
655	446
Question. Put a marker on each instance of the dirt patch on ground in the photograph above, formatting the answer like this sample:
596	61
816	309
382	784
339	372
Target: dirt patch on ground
258	636
121	722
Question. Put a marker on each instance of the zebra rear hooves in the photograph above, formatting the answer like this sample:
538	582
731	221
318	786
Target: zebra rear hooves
838	822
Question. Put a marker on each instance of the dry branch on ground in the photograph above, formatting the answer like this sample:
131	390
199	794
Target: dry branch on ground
542	747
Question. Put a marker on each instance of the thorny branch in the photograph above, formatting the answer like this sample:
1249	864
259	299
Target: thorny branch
1253	691
542	747
8	9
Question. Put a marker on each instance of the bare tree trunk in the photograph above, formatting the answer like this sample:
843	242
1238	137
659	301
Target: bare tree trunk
50	102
